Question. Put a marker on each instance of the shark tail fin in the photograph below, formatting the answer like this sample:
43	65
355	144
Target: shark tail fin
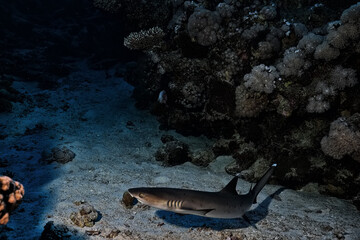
261	183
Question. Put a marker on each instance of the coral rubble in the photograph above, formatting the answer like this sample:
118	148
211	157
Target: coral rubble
60	155
85	217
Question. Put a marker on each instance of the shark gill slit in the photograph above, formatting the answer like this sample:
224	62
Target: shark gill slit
171	203
174	203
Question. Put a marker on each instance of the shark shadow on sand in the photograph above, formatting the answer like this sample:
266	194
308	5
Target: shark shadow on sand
191	221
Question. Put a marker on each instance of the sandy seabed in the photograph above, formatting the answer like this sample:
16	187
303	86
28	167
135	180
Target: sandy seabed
93	114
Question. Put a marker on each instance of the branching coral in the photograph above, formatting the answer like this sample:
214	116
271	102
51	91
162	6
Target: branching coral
145	39
11	194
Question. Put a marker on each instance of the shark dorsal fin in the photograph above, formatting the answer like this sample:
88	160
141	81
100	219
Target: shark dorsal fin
231	186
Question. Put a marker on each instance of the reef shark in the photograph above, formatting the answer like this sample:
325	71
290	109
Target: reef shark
226	203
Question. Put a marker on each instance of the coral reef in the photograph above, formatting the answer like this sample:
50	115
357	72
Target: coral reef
203	26
262	78
173	152
338	79
112	6
309	42
145	39
293	63
202	158
249	104
139	13
11	194
244	156
341	34
343	138
262	71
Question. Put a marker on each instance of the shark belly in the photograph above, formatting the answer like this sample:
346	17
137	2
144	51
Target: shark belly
228	212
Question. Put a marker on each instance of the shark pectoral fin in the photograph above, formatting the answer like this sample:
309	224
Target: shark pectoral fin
201	212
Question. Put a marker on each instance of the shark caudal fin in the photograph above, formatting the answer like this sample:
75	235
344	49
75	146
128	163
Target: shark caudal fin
261	183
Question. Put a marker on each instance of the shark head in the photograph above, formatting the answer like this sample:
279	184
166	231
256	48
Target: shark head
147	196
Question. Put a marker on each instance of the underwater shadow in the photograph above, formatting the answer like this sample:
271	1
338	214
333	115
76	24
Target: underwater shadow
24	166
37	35
192	221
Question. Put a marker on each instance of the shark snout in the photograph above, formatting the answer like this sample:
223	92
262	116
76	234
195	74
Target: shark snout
145	195
138	193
